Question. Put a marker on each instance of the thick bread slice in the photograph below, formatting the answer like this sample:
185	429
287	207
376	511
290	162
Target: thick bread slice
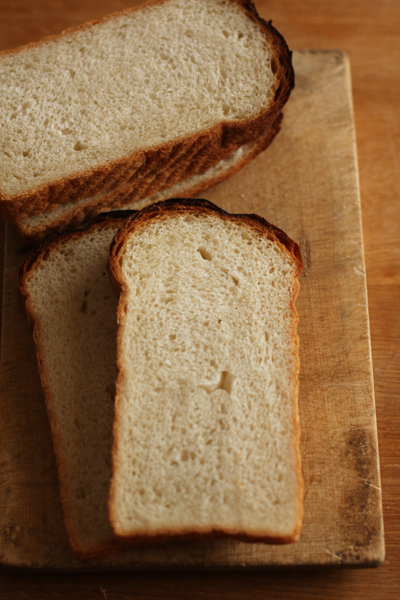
73	214
69	299
137	93
206	431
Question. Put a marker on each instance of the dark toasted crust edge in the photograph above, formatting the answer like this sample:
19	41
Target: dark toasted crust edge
29	265
81	215
163	210
107	175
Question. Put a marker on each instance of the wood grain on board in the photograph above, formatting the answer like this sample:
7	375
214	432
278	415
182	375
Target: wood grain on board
307	184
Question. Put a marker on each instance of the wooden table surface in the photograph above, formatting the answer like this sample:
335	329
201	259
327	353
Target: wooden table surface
369	32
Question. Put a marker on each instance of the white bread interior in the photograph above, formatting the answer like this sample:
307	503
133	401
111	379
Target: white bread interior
69	298
134	81
206	426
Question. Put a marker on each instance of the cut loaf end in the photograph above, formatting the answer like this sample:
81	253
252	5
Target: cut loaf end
206	430
88	110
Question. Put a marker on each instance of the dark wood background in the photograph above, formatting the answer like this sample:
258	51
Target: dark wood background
369	32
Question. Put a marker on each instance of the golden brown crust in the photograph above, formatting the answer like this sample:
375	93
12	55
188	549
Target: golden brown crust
31	263
176	206
210	534
162	211
225	136
296	421
128	194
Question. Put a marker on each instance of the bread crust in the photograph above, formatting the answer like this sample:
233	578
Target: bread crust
30	264
216	142
160	212
128	194
177	206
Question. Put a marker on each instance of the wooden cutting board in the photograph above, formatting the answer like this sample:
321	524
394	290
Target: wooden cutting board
307	184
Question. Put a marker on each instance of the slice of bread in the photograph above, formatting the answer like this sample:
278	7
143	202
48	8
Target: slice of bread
153	89
69	299
73	214
206	430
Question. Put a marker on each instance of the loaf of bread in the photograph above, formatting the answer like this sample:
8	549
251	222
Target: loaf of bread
206	430
69	299
73	214
146	98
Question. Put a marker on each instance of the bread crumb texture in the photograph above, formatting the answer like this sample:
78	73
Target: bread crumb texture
134	81
206	413
74	307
